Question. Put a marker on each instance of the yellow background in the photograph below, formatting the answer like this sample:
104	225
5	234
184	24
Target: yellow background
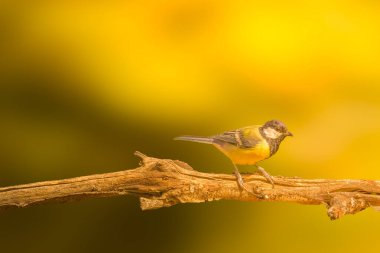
83	84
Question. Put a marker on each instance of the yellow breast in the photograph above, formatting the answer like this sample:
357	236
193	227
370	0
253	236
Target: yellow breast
247	156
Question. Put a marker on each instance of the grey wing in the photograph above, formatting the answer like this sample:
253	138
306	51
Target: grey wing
234	137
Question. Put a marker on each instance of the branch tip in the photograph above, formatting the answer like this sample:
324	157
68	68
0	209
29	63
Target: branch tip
141	155
149	204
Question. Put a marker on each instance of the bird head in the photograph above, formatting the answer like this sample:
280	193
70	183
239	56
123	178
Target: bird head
275	130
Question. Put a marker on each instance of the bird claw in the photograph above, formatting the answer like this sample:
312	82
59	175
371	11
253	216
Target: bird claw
268	177
255	191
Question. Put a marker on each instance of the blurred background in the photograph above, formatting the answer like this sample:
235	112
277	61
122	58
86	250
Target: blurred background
83	84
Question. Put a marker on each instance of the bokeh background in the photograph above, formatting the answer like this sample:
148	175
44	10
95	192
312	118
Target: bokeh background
83	84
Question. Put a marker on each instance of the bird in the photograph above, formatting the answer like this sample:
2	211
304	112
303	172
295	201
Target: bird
247	146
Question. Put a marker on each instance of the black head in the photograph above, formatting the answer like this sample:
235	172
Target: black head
274	131
275	128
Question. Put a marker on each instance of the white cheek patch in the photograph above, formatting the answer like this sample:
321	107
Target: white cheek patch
271	133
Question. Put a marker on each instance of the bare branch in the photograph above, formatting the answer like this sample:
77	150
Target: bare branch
163	183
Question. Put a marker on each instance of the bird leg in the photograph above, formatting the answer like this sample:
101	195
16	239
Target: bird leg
242	185
266	175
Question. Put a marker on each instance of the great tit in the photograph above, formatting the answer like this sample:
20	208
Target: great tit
247	145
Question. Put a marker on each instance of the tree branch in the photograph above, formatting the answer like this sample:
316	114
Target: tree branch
163	183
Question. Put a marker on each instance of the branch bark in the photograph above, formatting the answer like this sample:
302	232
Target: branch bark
163	183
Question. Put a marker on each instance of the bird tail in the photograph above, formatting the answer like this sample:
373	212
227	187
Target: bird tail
199	139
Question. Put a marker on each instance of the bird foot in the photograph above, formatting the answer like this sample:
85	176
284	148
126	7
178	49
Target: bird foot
268	177
255	191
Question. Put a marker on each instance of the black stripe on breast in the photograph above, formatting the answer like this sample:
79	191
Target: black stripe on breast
274	144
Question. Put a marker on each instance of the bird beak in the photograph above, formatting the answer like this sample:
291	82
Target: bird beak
289	134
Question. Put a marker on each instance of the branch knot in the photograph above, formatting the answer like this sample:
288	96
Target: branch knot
341	204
